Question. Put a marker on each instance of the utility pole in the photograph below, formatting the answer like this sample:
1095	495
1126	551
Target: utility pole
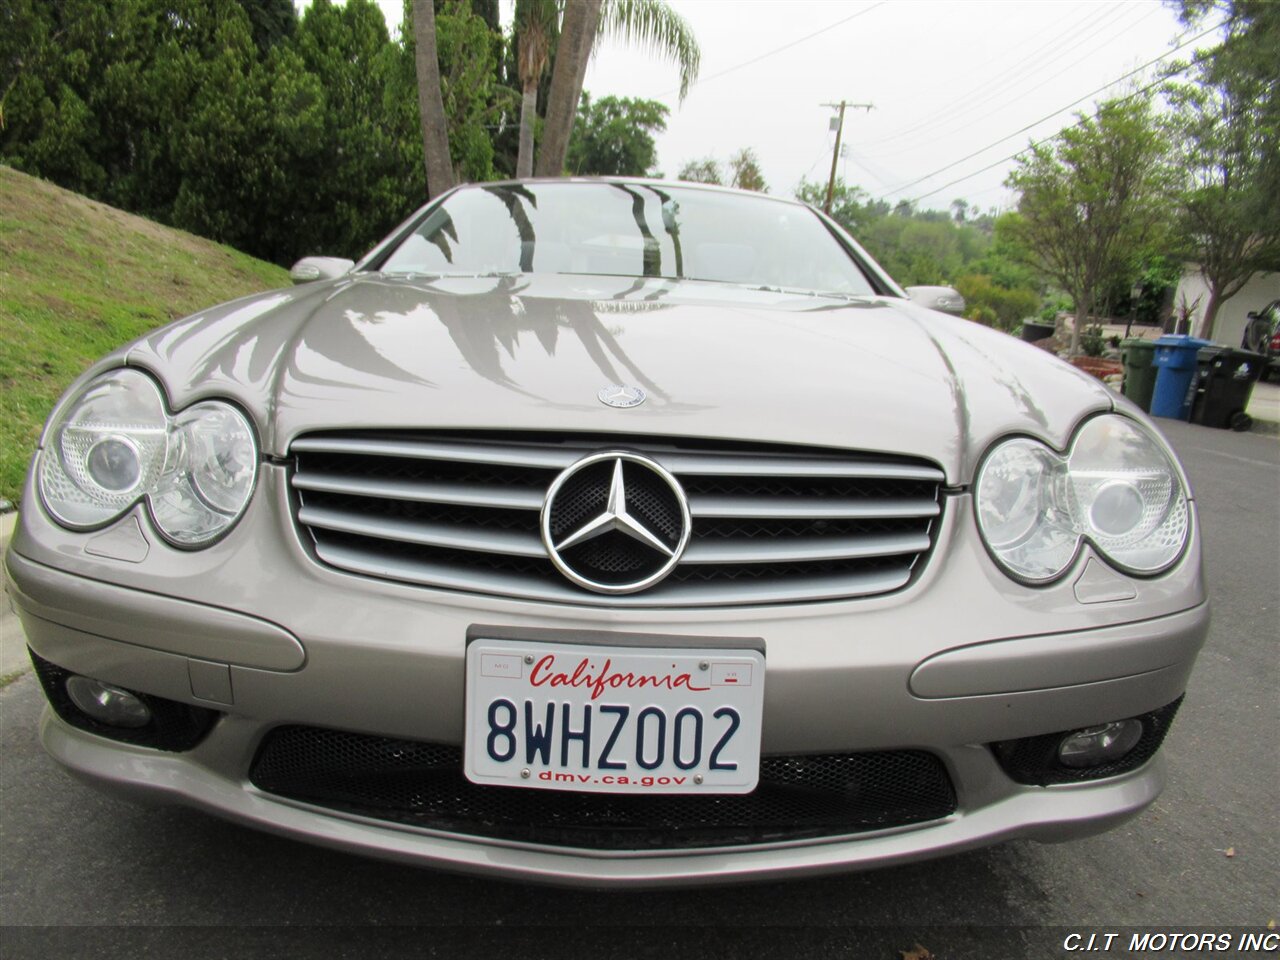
835	154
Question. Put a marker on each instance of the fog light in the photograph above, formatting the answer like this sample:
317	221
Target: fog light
108	704
1093	746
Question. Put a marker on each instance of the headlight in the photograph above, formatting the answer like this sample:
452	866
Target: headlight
116	443
1115	487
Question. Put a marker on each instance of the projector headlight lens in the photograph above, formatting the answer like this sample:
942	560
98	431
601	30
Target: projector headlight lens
117	443
1115	487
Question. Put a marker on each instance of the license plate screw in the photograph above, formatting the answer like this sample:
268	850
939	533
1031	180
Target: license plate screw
704	665
524	774
697	778
528	658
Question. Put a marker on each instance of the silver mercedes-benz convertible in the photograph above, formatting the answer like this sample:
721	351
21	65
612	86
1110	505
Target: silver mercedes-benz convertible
609	533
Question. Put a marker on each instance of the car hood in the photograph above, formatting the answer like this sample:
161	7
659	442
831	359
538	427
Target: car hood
531	352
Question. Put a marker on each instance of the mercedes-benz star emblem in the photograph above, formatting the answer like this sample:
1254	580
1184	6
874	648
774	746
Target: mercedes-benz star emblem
616	395
615	522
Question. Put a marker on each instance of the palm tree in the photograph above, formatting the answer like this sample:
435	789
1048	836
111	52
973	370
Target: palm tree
435	132
647	23
535	26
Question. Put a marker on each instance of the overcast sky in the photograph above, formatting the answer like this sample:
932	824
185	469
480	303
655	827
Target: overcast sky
948	78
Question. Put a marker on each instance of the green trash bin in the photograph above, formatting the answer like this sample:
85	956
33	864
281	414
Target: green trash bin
1139	371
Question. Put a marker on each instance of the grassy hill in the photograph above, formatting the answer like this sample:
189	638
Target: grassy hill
79	278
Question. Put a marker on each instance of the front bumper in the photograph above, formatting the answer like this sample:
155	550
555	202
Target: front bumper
1051	815
956	661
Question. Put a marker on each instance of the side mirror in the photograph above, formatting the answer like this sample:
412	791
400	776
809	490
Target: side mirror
319	268
945	299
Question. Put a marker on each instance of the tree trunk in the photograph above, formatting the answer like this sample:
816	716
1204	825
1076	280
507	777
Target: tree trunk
1082	320
1210	318
435	130
528	113
578	35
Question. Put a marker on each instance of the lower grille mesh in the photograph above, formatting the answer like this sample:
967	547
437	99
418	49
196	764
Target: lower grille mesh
421	784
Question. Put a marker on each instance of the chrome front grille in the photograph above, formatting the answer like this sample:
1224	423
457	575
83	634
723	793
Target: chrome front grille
771	524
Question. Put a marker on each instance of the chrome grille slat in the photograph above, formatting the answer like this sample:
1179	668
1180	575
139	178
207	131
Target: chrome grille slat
765	508
665	594
771	524
557	457
425	534
458	494
694	465
493	454
805	551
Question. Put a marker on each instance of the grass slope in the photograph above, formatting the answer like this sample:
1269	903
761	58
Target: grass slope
78	279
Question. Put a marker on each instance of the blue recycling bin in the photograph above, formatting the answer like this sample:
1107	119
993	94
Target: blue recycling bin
1175	363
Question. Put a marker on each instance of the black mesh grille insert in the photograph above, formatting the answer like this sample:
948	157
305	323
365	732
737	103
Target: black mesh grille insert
422	784
1034	760
173	726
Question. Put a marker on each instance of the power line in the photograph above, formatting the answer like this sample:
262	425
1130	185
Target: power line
873	170
1010	75
777	50
1050	116
1035	143
956	121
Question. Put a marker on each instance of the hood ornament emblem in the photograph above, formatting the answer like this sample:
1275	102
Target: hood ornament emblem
615	522
617	395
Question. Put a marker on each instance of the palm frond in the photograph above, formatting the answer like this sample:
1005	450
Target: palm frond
654	27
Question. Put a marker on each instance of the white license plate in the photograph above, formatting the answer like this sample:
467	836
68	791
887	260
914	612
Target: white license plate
560	716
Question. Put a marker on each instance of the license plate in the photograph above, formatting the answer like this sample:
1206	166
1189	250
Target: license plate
596	719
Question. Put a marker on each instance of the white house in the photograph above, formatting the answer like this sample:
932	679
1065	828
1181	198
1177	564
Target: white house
1261	289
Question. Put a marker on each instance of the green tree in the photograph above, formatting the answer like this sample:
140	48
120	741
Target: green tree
1006	260
53	57
359	180
922	248
650	24
706	170
271	21
435	131
240	132
1091	199
851	206
1227	121
745	173
536	31
741	171
471	100
614	136
1005	307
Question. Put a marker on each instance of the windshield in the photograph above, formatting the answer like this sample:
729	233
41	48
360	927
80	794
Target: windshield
631	230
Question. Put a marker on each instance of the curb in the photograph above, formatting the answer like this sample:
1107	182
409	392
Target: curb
8	520
12	642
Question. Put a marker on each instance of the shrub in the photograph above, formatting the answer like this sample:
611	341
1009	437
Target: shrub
1001	307
983	315
1092	342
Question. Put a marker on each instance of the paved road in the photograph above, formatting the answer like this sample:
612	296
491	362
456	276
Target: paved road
70	856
